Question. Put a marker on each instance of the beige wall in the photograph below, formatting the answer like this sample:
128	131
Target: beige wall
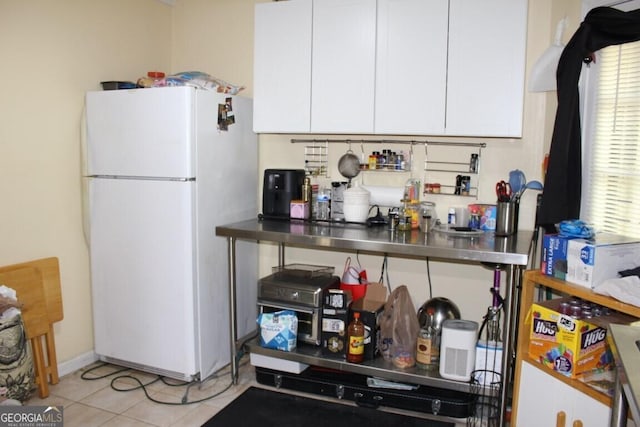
52	52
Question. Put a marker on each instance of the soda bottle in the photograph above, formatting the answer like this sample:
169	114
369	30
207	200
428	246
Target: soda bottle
355	337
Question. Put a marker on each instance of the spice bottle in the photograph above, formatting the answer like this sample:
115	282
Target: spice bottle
451	217
373	161
473	163
355	338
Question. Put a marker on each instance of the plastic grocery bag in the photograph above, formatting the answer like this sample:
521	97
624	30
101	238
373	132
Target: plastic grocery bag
17	373
399	328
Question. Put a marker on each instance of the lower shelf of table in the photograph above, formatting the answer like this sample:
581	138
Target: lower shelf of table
378	367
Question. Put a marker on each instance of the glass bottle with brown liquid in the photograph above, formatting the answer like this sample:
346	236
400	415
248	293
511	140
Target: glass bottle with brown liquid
355	335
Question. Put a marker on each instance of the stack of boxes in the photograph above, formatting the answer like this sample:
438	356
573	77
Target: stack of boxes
567	335
570	345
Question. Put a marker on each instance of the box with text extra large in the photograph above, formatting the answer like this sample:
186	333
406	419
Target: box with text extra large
591	262
554	255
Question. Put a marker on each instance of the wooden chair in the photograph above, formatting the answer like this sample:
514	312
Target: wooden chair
27	282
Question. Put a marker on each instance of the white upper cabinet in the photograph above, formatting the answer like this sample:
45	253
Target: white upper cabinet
485	80
411	67
398	67
342	78
282	67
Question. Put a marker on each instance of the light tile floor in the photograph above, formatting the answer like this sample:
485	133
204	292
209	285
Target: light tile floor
94	402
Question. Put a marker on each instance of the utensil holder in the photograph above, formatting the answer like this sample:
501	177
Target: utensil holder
507	218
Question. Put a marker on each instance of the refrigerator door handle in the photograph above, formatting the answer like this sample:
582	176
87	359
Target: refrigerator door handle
143	178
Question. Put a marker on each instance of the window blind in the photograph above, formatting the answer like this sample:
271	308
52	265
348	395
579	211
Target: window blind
613	195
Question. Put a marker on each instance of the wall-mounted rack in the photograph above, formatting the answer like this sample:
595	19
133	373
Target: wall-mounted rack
316	158
361	141
316	153
444	171
442	165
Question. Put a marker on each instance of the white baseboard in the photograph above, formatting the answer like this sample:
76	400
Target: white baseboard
79	362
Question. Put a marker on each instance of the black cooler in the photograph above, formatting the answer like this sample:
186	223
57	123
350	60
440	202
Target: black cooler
354	387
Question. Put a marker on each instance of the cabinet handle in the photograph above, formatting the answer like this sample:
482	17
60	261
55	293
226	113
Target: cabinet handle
560	419
577	423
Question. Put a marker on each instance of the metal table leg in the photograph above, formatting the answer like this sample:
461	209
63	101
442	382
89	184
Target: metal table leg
506	354
233	327
619	409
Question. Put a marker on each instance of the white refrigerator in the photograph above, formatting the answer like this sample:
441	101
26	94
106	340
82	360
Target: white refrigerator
161	173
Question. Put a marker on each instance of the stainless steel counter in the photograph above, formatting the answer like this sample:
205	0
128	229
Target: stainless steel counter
509	253
627	391
483	248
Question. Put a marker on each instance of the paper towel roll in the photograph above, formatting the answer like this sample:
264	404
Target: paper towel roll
385	196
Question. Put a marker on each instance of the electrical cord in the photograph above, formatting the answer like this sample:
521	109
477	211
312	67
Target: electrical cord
384	271
358	259
140	385
429	278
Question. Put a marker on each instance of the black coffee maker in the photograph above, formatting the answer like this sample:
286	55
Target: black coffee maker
280	187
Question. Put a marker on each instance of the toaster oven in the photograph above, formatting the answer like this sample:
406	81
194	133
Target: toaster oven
300	291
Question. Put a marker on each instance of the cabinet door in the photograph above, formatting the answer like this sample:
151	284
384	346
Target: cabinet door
342	82
485	89
541	397
411	66
282	67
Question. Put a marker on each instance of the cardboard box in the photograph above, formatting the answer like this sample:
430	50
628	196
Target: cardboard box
334	332
370	308
591	262
567	345
487	215
279	330
554	256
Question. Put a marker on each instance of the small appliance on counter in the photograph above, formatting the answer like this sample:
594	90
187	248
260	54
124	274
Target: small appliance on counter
301	288
458	349
280	187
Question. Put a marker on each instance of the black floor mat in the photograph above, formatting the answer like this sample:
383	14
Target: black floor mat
265	408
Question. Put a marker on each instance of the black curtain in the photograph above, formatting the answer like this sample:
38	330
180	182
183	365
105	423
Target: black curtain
602	27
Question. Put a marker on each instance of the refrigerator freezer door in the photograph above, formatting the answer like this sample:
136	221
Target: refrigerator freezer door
141	132
142	271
